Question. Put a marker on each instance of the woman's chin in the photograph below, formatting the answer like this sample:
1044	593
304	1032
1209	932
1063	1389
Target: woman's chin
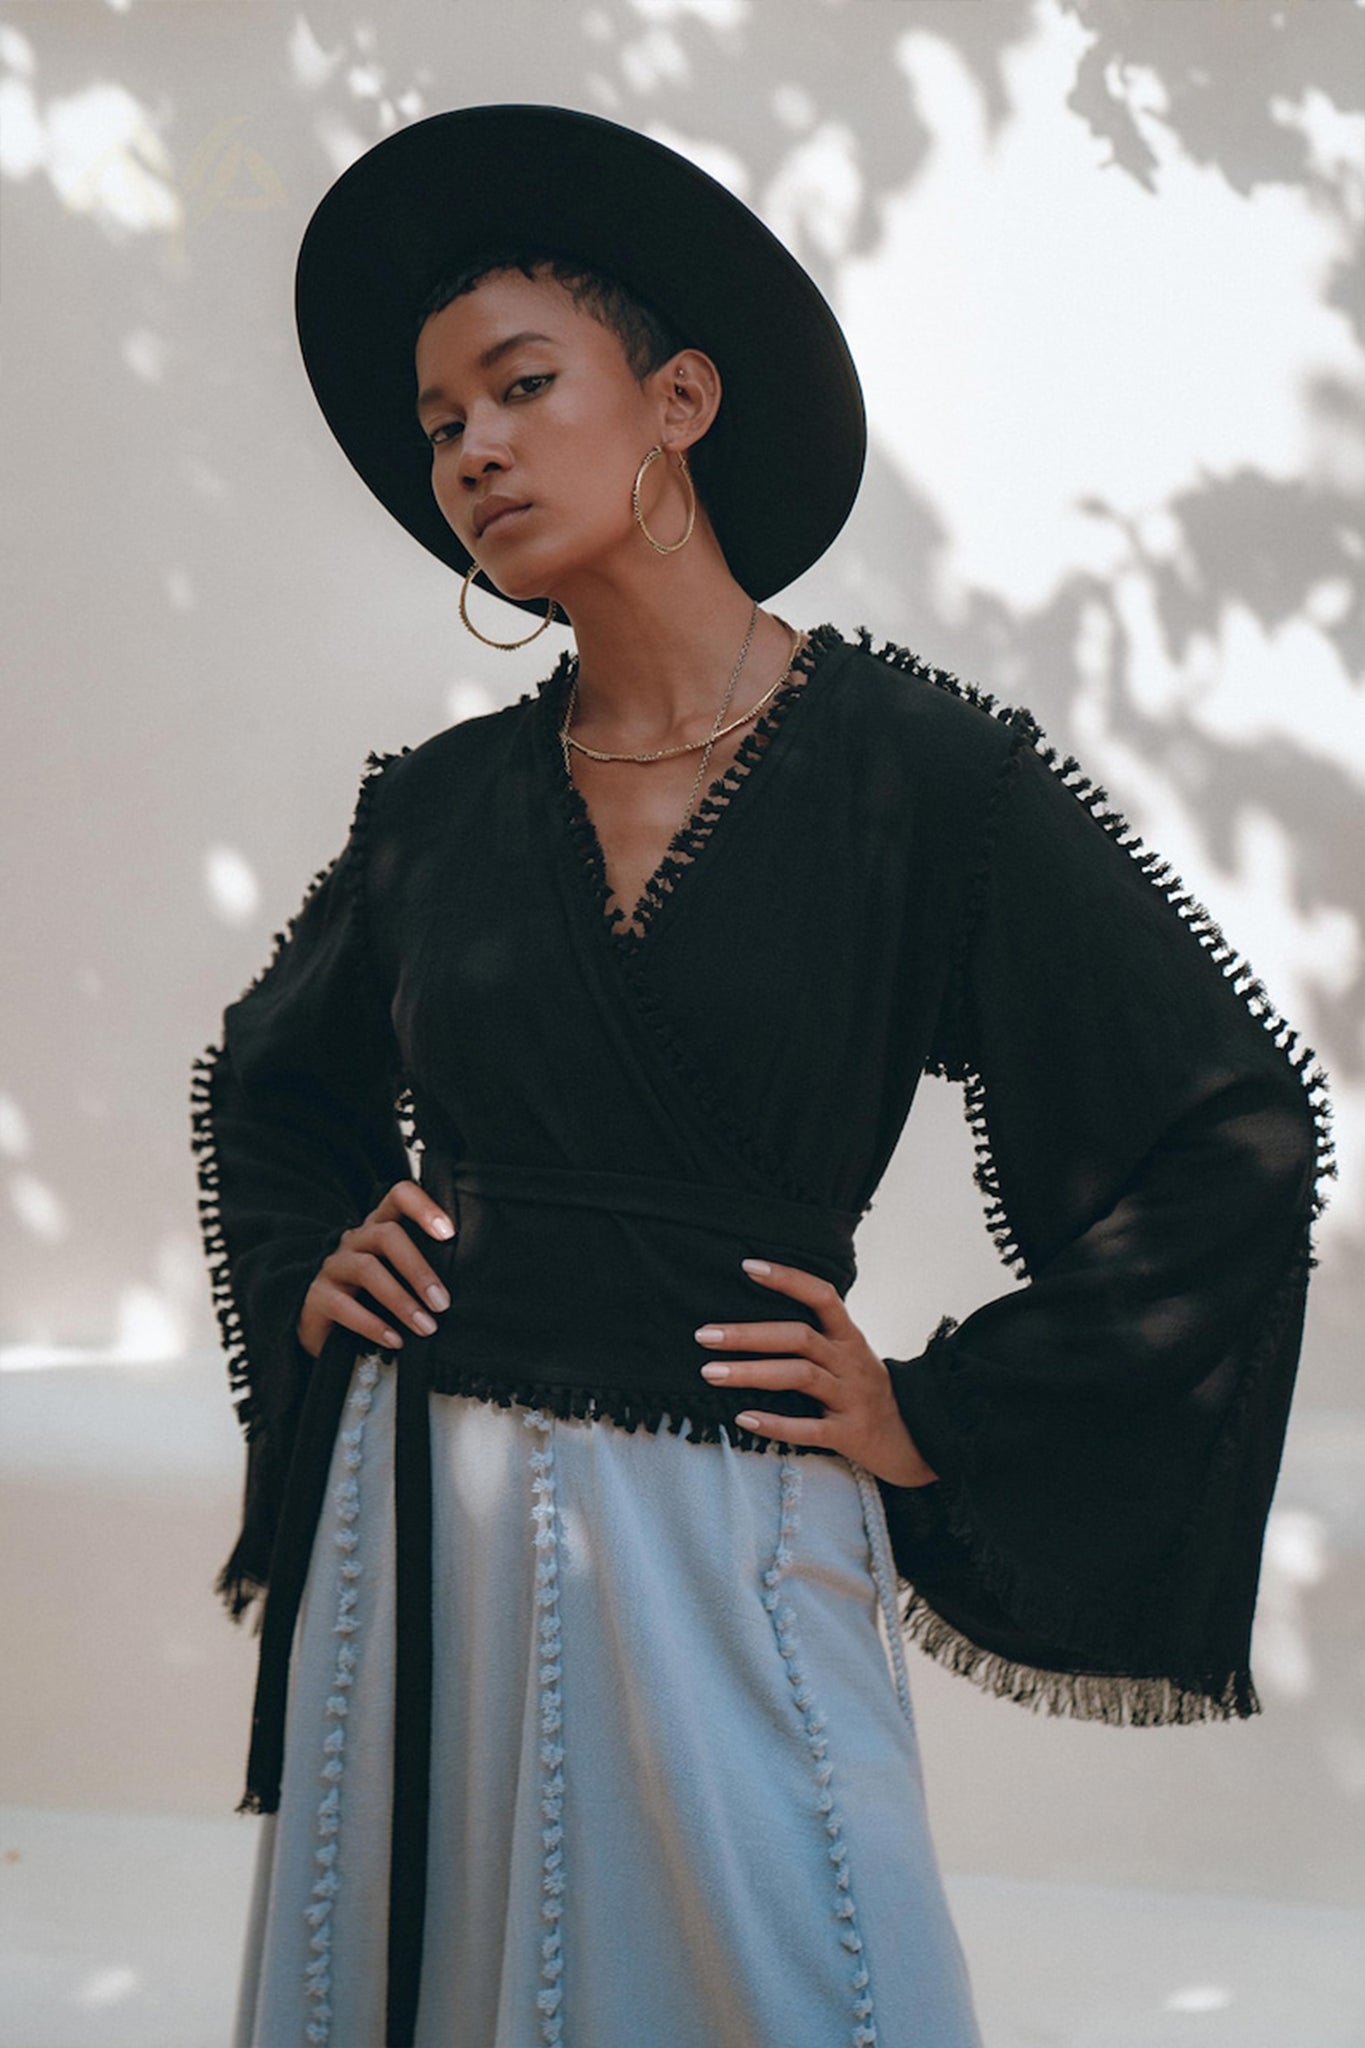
524	589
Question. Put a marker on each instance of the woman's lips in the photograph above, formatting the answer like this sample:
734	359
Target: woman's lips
501	518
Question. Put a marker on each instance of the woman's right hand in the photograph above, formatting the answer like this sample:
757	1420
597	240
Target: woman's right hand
372	1256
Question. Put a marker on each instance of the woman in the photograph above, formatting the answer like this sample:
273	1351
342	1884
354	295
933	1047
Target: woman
591	1737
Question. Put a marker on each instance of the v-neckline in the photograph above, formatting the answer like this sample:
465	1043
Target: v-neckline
629	930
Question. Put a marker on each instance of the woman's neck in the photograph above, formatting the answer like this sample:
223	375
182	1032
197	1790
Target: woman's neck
655	657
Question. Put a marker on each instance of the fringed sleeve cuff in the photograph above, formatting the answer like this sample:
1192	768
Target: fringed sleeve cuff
1152	1143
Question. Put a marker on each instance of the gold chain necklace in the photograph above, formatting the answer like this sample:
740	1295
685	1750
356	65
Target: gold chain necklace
688	746
718	732
718	729
708	743
715	728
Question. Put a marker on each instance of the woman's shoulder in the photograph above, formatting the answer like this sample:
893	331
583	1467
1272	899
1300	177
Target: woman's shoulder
453	762
901	707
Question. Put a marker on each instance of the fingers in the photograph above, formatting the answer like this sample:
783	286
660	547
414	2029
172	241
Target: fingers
409	1198
821	1295
343	1308
367	1258
790	1375
393	1243
792	1429
806	1368
350	1270
380	1256
795	1337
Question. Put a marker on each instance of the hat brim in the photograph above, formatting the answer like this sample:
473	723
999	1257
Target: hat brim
431	197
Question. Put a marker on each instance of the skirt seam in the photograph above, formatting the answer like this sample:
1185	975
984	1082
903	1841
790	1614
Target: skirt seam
319	1914
544	1513
884	1580
814	1723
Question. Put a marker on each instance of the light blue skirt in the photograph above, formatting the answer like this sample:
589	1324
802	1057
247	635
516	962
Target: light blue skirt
676	1796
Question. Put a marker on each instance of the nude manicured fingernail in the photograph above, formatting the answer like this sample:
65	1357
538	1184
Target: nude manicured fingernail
392	1337
756	1265
423	1322
748	1420
437	1296
441	1226
709	1334
715	1372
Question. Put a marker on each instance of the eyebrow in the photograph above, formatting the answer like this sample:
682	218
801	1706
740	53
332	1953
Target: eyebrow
491	355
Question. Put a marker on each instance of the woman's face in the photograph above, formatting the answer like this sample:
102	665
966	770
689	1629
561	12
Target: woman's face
527	398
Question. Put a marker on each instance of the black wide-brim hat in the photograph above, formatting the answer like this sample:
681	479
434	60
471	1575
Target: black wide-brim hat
435	196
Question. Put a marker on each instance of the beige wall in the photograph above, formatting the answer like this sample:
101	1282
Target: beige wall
1102	277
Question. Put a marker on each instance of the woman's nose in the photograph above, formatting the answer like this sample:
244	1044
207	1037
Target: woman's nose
482	447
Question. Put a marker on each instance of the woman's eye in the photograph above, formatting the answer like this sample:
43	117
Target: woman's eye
447	432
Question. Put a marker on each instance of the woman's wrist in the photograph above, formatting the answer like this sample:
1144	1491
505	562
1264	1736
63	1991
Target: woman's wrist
312	1329
903	1463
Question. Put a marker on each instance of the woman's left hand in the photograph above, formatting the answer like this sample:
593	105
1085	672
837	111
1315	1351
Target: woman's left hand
834	1363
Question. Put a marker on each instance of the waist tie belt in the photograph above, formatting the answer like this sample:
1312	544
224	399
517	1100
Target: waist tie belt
523	1270
822	1231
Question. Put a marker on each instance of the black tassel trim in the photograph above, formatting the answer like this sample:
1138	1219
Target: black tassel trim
988	1180
375	765
689	841
691	837
231	1334
684	848
1235	968
582	833
239	1583
706	1414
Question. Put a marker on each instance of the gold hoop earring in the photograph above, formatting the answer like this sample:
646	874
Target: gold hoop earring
658	546
506	646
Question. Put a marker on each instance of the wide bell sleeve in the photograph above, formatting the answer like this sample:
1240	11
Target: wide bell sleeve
297	1132
1151	1140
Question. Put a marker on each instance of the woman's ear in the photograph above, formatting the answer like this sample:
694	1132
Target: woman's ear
689	389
